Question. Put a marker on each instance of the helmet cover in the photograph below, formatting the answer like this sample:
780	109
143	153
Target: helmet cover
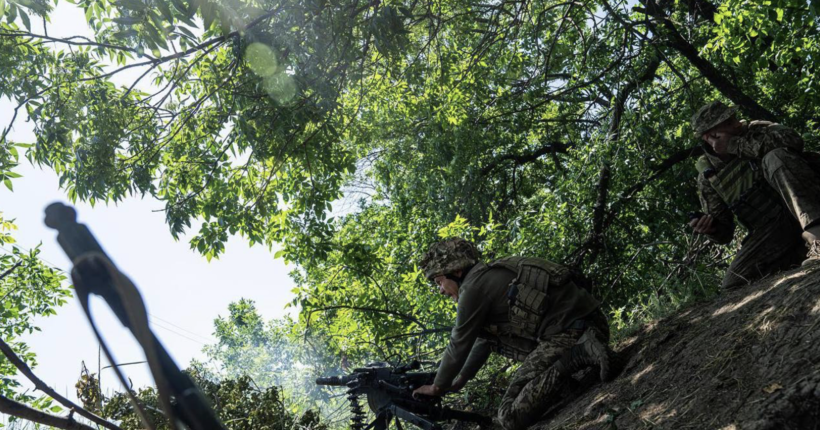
710	116
449	256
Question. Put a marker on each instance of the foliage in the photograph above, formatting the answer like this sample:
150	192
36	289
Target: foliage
239	403
272	354
28	289
354	134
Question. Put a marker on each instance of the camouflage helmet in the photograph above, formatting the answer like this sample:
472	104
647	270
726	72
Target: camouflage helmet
711	115
449	256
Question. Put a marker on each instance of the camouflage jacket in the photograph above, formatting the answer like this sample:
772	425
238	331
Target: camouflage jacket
485	321
748	149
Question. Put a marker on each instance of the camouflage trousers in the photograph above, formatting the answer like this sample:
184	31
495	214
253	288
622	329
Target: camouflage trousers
537	383
779	245
767	250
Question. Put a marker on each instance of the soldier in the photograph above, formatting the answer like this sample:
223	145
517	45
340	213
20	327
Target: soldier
756	172
528	309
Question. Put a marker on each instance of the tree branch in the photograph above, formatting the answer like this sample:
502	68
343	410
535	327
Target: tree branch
42	386
420	333
11	269
520	159
153	62
594	239
17	409
658	170
626	92
702	9
601	222
629	26
68	41
368	309
706	68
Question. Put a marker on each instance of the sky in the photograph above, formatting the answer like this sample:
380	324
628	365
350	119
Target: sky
183	292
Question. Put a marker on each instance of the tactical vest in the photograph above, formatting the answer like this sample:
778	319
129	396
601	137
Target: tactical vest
744	189
529	301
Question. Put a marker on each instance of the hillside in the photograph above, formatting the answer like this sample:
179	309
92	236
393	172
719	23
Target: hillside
750	359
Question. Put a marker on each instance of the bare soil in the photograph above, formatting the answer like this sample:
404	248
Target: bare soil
750	359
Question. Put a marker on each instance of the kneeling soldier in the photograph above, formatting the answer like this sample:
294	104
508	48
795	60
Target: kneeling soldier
528	309
757	172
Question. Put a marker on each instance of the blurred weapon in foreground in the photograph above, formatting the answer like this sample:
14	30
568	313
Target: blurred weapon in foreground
389	394
94	273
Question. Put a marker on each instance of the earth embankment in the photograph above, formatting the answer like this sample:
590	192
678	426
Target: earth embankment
749	359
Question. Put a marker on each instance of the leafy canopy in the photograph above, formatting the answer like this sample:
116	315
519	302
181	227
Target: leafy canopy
356	133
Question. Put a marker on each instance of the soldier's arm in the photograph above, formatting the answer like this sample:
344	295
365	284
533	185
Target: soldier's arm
758	141
714	205
475	361
472	311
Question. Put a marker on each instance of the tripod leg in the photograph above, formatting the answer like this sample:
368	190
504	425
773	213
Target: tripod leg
414	419
382	421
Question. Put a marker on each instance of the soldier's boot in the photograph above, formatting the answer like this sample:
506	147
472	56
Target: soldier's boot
813	256
589	351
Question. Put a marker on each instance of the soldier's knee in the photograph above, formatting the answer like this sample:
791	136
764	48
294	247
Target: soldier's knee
508	419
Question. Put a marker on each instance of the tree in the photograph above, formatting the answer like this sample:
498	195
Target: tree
239	403
272	354
29	288
415	120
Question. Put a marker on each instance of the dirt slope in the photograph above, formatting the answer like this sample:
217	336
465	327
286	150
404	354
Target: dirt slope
750	359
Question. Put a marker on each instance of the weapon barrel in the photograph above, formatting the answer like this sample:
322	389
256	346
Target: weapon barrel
339	381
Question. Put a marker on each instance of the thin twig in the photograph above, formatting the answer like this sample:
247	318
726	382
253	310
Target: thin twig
42	386
19	410
11	269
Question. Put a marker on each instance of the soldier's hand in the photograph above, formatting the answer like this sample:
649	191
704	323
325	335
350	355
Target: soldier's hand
704	225
428	390
719	141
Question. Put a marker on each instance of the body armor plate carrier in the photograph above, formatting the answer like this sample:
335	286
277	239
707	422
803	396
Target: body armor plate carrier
744	189
529	299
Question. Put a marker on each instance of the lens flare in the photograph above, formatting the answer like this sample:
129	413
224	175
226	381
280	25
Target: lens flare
261	59
280	87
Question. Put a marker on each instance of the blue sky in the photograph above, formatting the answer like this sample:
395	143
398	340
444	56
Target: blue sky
183	292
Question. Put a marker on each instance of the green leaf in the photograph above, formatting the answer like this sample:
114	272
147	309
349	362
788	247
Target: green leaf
125	34
208	11
127	20
180	6
186	32
779	14
188	21
7	183
134	5
163	7
2	8
24	17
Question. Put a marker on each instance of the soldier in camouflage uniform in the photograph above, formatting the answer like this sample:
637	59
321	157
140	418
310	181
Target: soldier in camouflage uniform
756	171
528	309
